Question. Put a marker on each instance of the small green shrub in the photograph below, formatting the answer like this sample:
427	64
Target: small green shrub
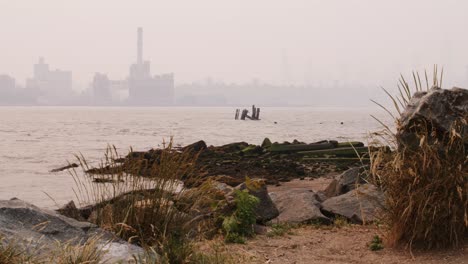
316	223
240	223
279	230
376	244
234	238
340	222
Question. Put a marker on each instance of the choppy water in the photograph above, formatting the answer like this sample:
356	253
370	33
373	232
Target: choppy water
35	140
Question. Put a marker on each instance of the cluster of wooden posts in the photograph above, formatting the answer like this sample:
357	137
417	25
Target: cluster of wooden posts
245	114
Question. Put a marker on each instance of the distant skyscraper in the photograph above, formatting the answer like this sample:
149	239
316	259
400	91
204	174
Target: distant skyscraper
101	89
7	83
145	89
54	86
12	94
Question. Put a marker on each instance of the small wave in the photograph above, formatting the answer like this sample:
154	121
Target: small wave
25	158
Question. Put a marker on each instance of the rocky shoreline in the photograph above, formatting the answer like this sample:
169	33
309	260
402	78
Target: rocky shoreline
240	188
347	195
224	169
273	162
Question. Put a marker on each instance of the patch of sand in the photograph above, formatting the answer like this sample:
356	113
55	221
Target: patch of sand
335	245
330	244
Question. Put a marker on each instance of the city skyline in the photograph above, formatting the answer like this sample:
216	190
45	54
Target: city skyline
239	41
54	87
139	88
278	53
142	88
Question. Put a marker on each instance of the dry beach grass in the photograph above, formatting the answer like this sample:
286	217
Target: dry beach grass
142	210
425	178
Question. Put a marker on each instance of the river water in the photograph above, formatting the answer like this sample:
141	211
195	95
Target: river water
35	140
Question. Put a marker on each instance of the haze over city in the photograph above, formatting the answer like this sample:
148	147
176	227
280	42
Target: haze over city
290	52
234	131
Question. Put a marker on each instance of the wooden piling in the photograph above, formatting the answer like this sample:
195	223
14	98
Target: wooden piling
254	112
245	114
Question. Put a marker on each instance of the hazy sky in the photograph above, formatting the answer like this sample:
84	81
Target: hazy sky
297	41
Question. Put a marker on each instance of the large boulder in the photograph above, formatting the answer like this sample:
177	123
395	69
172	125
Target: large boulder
436	108
361	205
266	209
297	206
21	221
345	182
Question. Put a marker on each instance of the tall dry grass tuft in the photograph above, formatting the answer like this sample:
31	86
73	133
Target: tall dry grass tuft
11	252
21	252
90	252
148	211
426	181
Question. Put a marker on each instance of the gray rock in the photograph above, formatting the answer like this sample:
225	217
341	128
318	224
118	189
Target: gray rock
344	182
361	205
222	187
21	221
261	229
266	209
266	143
297	206
197	146
321	196
231	181
437	107
70	210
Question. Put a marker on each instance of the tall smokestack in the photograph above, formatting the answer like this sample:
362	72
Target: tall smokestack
140	46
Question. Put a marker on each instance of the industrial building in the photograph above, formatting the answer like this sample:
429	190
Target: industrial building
145	89
52	86
142	88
